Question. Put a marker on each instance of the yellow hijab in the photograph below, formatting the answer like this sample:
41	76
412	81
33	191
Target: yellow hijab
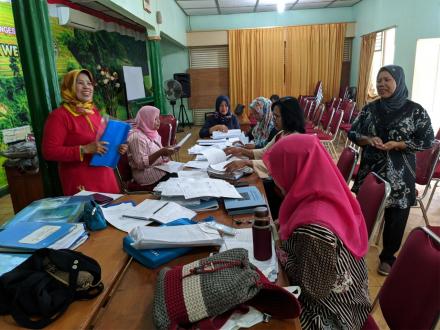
68	93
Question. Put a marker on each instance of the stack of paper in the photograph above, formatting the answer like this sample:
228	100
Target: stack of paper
158	210
195	204
175	236
196	188
30	236
210	142
170	167
232	133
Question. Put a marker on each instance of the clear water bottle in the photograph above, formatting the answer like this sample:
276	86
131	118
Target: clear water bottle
262	234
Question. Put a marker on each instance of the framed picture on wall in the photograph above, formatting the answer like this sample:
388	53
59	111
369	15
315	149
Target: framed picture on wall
147	5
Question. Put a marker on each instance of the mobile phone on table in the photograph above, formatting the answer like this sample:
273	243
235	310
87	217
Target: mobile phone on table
101	199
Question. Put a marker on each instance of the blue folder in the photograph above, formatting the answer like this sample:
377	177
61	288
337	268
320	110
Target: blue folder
115	134
252	198
53	209
153	258
31	236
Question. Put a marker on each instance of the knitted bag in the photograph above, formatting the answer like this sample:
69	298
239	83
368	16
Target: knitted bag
211	286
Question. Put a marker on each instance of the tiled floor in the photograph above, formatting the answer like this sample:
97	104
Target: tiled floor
375	280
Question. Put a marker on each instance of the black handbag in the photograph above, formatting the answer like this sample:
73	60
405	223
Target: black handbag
39	290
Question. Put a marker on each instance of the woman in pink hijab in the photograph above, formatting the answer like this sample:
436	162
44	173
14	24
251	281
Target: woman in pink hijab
145	147
323	234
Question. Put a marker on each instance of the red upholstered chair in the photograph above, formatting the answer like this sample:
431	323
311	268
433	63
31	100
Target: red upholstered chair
329	137
347	162
372	196
170	119
435	176
410	295
426	163
125	178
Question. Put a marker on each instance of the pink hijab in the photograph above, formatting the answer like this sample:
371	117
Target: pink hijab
145	121
315	192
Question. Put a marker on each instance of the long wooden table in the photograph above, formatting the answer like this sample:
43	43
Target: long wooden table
126	302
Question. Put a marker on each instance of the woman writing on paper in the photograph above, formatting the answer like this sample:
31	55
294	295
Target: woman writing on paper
221	120
145	148
70	138
288	119
323	235
264	130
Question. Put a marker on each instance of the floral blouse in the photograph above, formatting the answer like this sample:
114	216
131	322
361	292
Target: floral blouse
395	166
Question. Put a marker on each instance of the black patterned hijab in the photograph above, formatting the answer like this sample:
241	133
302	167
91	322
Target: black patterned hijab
400	95
222	119
389	110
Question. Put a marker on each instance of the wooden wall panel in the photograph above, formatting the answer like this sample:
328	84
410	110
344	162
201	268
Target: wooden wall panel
206	85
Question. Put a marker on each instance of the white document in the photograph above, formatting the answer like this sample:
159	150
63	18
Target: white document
69	240
87	193
197	187
196	149
160	211
220	166
208	187
229	134
214	155
209	142
113	215
192	174
243	239
170	167
199	164
182	142
175	236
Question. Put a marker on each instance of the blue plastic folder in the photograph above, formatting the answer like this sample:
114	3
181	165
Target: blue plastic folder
115	134
153	258
252	198
31	236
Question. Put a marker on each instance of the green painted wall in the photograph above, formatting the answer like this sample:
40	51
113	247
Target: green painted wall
254	20
413	20
175	59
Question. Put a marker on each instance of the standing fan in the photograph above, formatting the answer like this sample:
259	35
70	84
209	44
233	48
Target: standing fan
173	91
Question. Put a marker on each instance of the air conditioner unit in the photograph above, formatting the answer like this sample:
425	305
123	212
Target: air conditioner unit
71	17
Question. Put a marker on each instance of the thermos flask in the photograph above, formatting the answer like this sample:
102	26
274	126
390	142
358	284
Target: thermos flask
262	234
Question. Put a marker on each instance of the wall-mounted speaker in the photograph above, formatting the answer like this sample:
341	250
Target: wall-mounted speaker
185	81
158	17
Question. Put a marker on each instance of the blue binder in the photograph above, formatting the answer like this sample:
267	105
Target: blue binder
31	236
252	198
115	134
52	209
153	258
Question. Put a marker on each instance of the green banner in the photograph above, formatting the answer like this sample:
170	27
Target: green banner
103	53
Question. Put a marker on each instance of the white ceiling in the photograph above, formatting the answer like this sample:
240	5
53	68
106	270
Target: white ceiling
224	7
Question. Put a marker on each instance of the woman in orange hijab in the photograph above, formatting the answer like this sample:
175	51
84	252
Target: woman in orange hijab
70	138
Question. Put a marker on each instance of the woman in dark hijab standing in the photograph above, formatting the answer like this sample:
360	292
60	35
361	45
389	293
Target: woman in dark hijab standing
221	120
391	130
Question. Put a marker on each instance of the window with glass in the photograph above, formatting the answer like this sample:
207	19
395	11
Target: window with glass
383	55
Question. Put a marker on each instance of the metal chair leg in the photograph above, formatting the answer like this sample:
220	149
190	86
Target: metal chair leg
432	194
422	207
379	234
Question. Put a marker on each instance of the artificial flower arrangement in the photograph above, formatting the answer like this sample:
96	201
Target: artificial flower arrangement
107	84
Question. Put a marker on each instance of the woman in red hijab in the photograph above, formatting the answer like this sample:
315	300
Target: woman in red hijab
71	138
323	233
